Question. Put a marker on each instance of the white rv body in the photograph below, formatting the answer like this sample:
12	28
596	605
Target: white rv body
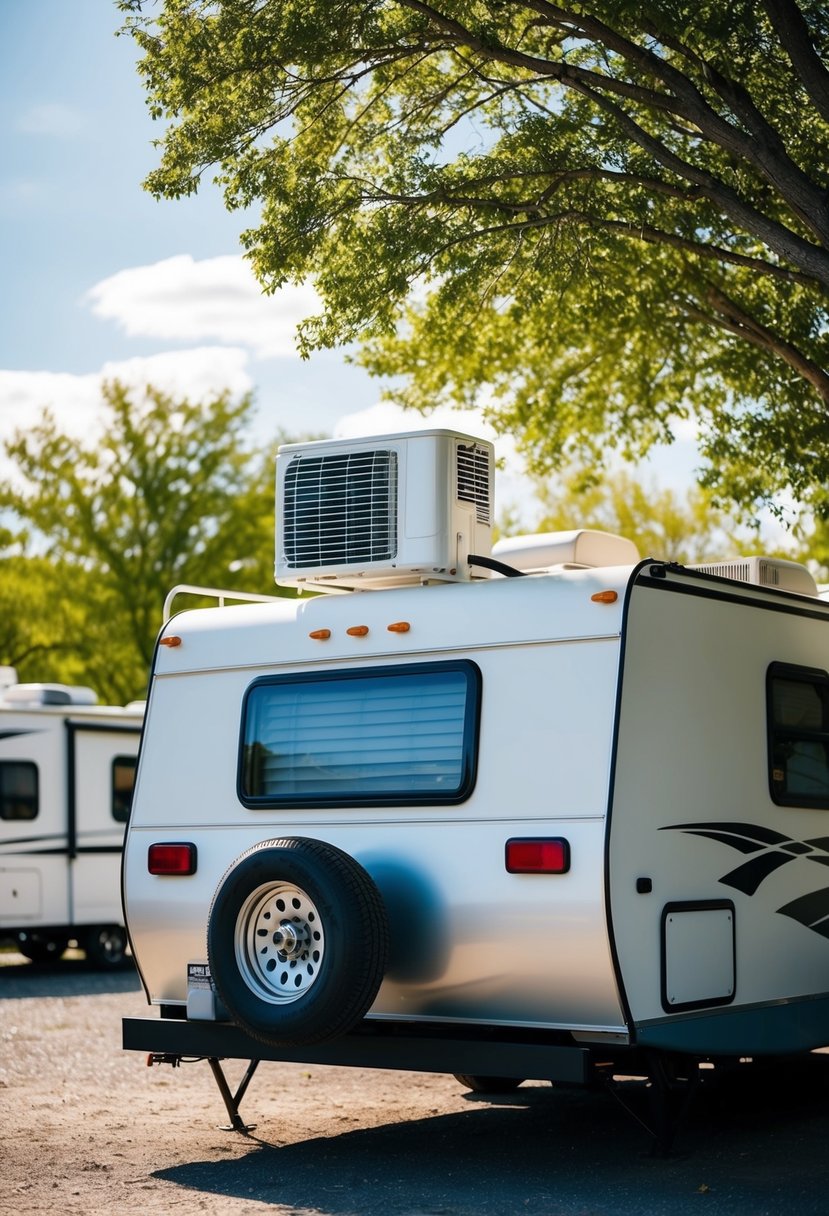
66	774
660	733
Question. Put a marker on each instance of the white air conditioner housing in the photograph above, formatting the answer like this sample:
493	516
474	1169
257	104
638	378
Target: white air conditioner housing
383	511
764	572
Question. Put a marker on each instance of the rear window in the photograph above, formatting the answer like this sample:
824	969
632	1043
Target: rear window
123	782
18	789
394	736
798	713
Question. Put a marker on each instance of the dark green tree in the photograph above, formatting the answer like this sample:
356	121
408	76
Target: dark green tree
592	217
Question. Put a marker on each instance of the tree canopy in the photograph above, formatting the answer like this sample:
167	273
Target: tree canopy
593	218
661	521
170	492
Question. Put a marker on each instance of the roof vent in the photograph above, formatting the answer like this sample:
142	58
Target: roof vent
383	511
580	548
48	694
764	572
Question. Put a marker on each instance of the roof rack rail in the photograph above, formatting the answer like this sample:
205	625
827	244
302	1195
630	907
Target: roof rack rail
216	593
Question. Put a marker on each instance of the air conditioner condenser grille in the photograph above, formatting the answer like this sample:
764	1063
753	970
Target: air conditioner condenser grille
743	572
473	474
340	508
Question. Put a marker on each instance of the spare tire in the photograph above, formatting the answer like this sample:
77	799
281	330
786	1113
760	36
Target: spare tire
297	941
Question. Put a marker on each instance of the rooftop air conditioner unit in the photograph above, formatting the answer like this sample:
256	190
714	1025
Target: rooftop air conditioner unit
383	511
764	572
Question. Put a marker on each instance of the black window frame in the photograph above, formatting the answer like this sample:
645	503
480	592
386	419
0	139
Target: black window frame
470	746
4	798
819	679
126	761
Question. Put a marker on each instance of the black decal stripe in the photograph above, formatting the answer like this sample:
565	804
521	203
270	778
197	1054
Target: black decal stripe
822	927
750	874
735	842
811	910
16	841
60	851
746	831
819	842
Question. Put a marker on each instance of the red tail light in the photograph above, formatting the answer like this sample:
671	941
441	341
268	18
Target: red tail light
547	855
171	859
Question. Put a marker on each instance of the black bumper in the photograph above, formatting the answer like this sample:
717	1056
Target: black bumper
375	1045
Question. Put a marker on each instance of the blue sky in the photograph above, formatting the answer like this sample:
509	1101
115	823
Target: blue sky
98	277
101	281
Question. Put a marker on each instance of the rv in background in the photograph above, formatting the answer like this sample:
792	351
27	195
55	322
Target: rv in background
67	768
533	810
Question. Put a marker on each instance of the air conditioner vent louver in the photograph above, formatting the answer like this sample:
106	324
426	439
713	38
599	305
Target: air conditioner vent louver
473	479
776	572
340	508
741	572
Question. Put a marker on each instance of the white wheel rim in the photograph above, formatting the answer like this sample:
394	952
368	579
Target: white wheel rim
279	942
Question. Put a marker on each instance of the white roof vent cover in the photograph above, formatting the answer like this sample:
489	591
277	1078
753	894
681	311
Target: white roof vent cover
582	547
383	511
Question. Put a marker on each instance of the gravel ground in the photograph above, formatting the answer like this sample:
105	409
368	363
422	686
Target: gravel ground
88	1128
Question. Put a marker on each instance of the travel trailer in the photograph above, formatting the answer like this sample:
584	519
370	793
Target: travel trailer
67	768
541	809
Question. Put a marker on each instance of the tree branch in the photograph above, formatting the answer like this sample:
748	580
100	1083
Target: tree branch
810	258
793	32
730	316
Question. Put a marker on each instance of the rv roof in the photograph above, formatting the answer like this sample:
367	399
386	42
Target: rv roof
48	694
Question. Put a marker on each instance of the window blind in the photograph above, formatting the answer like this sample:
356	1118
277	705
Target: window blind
391	734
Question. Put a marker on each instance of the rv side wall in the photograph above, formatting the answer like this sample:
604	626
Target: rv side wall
703	863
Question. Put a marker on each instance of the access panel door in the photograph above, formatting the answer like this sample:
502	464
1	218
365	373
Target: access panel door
103	764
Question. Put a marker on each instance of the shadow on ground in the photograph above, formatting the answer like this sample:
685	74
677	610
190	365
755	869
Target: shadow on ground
68	976
754	1144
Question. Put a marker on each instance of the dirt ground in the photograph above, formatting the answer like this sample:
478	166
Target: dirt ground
89	1128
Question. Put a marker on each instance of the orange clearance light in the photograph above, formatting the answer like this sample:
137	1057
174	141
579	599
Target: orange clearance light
172	858
357	631
605	597
172	639
399	627
321	635
550	855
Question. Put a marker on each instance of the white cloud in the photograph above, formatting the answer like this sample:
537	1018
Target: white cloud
23	396
51	118
75	401
196	373
215	299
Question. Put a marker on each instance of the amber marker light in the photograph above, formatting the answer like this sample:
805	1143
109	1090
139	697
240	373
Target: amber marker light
399	627
357	631
320	635
172	639
605	597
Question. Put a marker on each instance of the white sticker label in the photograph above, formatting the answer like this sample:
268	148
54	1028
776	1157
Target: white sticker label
198	975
